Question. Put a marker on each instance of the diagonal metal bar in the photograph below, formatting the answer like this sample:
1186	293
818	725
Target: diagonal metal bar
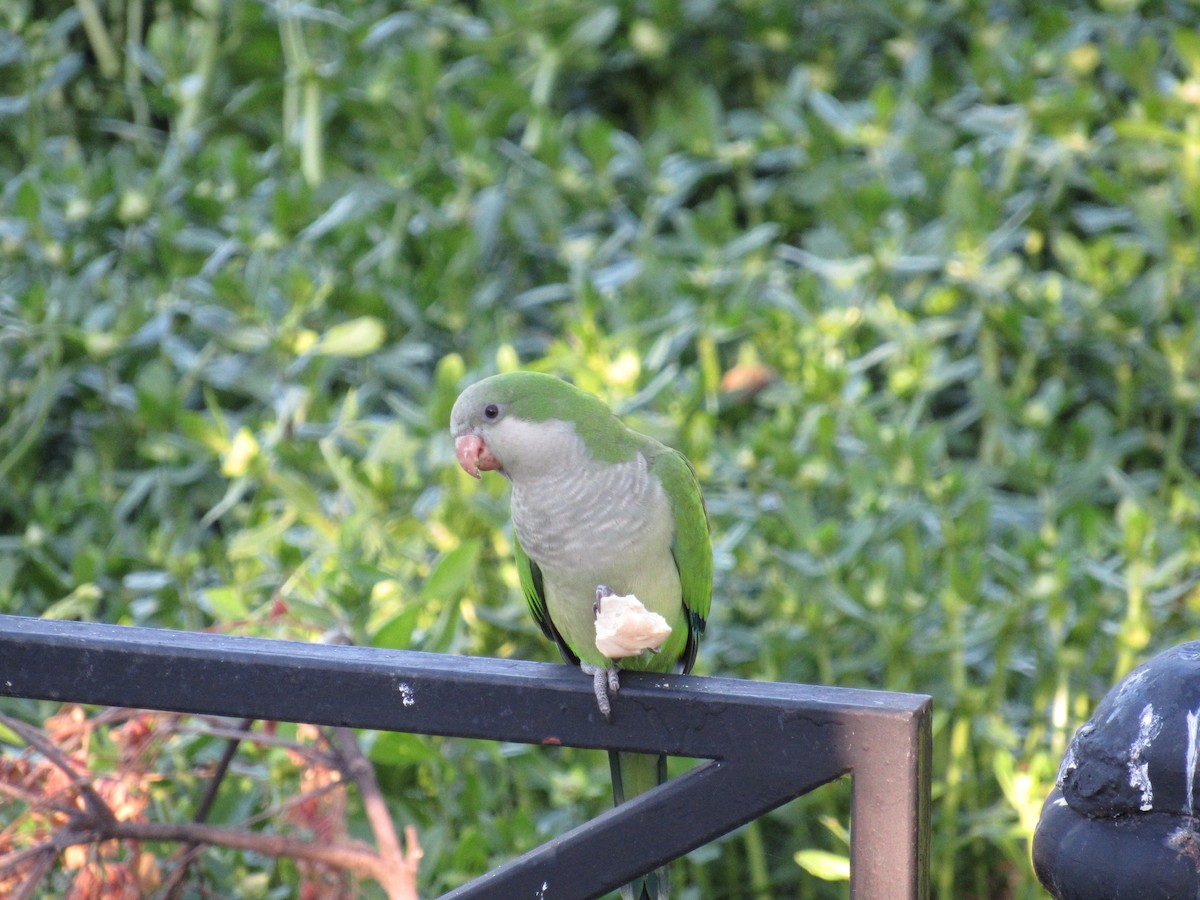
594	857
768	743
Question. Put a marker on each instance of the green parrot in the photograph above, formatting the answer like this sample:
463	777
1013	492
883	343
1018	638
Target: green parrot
597	508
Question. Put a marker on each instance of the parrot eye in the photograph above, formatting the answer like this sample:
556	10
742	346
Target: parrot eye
491	412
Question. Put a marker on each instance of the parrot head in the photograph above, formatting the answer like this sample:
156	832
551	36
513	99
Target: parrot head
518	422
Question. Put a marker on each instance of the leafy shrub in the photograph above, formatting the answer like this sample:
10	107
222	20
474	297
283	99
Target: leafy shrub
251	252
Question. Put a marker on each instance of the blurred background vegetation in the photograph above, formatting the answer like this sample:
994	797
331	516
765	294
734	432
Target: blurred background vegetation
250	251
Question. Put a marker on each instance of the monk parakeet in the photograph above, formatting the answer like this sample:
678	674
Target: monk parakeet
597	509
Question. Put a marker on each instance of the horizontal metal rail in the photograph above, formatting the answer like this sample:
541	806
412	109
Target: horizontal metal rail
766	743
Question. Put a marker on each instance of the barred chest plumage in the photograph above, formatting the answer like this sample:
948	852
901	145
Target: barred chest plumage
590	519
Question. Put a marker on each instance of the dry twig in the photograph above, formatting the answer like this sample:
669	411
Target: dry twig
88	819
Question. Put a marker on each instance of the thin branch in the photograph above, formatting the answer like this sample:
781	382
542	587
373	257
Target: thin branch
187	854
40	869
218	775
259	738
393	867
401	867
10	862
353	856
173	884
98	809
38	800
412	856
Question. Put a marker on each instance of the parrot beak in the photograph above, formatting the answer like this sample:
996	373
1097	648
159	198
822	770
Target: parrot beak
473	455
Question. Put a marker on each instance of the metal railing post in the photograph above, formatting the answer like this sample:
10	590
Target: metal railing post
889	814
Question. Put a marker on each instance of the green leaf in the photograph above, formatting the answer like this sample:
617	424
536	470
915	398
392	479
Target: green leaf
397	632
824	865
252	542
356	337
1187	45
226	604
596	27
452	571
81	603
8	736
28	200
395	748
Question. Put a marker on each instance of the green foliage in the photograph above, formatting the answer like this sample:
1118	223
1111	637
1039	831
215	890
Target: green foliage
250	252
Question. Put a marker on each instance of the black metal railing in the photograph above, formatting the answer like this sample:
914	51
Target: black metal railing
765	743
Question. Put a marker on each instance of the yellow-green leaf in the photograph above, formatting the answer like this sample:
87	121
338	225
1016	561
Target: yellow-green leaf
355	337
824	865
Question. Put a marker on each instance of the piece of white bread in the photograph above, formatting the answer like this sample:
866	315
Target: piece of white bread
624	627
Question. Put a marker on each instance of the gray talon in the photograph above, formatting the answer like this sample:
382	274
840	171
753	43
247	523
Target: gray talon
604	681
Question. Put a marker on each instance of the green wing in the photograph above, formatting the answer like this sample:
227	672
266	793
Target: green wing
692	547
535	595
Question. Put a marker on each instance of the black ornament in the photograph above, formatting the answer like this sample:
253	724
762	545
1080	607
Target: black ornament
1122	821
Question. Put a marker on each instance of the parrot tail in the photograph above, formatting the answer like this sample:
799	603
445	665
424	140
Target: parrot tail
633	774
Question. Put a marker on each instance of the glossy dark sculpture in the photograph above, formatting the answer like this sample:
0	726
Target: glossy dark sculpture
1122	821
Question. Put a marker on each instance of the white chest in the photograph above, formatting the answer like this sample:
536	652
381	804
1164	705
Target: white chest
593	521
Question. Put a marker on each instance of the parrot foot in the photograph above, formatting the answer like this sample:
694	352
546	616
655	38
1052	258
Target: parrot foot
605	681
